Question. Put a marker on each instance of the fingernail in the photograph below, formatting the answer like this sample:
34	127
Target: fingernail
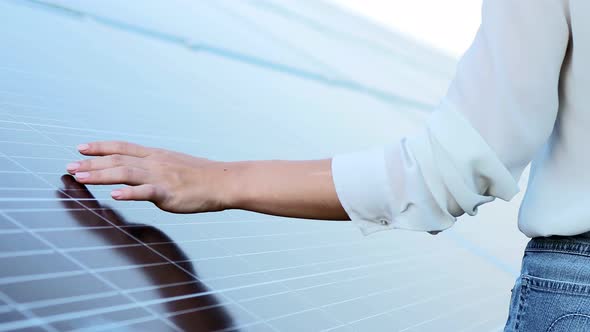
116	193
72	166
82	175
83	147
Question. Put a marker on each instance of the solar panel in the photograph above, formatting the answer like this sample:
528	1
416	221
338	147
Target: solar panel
230	81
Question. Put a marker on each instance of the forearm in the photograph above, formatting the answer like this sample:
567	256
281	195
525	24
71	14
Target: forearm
182	183
290	188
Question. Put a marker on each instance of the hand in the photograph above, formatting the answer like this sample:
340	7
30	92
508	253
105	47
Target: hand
173	181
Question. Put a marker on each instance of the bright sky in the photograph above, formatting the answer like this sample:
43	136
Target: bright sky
448	25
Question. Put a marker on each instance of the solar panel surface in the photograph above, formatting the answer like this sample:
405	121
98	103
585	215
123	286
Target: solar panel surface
225	80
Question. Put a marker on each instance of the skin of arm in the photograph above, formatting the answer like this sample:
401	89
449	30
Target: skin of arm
181	183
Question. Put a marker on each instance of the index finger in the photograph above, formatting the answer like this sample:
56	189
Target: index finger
104	148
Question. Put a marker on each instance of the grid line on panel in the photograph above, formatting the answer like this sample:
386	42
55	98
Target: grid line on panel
165	321
8	209
200	240
87	136
181	312
187	223
169	315
241	257
72	259
97	130
170	299
87	133
90	131
44	173
379	292
322	307
36	158
349	85
111	91
27	314
13	172
108	132
25	199
71	299
25	252
115	325
473	327
76	249
16	129
51	189
89	271
386	262
35	144
62	317
341	280
425	300
456	309
6	280
40	108
78	314
38	118
9	104
41	276
14	231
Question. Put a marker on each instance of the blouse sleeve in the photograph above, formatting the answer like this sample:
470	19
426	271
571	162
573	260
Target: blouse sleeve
499	109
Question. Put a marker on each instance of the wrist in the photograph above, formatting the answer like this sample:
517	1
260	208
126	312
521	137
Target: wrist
232	189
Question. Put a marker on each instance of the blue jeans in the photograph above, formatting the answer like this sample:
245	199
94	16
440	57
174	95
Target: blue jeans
552	292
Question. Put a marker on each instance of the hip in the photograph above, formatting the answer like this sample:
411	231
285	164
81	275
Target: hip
552	292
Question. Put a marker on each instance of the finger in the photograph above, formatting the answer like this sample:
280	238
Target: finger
105	162
145	192
104	148
115	175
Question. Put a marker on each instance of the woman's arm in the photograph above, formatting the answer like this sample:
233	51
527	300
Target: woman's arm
182	183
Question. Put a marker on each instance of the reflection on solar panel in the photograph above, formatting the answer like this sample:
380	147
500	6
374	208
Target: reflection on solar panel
226	80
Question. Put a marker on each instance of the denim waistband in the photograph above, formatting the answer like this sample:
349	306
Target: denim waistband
578	244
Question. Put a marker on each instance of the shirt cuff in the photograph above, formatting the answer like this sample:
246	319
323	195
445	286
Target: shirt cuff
360	179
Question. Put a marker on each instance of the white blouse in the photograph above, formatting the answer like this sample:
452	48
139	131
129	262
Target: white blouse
521	93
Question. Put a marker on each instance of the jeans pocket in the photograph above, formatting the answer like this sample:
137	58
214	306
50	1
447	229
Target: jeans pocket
550	305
